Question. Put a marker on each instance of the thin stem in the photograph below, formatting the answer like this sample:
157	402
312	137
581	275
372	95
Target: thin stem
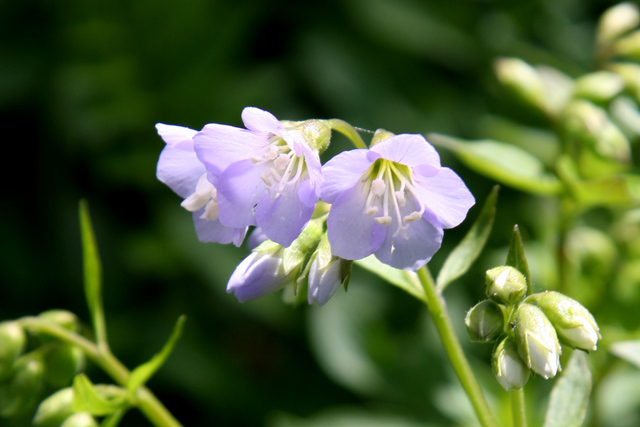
518	408
146	401
347	130
454	350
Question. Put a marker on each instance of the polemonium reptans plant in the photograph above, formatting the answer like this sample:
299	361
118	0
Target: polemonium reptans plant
384	206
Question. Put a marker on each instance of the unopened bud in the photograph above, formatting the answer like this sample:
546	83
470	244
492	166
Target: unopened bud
616	21
12	341
631	74
537	341
316	132
63	318
573	322
505	285
326	273
522	79
628	46
18	392
485	321
510	371
54	409
81	419
380	135
599	86
63	362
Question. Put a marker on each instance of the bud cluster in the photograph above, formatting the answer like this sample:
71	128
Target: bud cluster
31	362
527	330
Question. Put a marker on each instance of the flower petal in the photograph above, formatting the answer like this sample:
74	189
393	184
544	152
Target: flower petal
177	136
323	283
214	231
351	233
258	120
408	149
446	197
257	276
179	169
240	187
342	173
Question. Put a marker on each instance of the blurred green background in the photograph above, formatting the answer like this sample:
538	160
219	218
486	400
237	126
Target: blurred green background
82	84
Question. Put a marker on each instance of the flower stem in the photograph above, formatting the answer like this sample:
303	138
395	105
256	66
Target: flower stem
518	408
452	346
145	400
347	130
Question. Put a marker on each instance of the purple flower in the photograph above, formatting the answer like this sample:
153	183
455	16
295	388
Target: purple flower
392	200
266	175
180	169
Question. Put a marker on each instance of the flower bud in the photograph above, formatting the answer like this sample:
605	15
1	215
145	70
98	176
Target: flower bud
510	371
326	274
573	322
628	46
81	419
316	132
18	392
600	86
537	341
631	74
380	135
63	362
54	409
63	318
616	21
521	78
505	285
12	342
485	321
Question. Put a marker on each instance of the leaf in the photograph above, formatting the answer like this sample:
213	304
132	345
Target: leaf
461	258
92	272
403	279
570	395
114	419
506	163
88	398
627	350
142	373
516	257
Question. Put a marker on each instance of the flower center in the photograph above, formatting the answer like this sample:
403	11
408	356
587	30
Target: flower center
205	195
285	168
391	184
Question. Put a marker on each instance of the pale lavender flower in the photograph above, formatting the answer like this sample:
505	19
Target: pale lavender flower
392	200
179	168
266	175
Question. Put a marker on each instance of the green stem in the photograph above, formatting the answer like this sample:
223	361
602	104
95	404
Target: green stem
518	408
453	348
347	130
146	401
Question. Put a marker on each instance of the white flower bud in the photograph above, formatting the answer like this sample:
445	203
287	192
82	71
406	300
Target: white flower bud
522	78
510	371
537	341
485	321
616	21
505	285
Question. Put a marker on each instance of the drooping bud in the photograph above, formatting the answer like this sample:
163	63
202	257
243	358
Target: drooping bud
616	21
599	86
326	273
510	371
55	409
573	322
537	341
485	321
316	132
505	285
18	393
81	419
522	79
63	362
12	341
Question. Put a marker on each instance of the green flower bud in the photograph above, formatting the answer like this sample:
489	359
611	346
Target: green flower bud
379	136
485	321
18	393
628	46
12	342
63	362
64	318
573	322
537	341
55	409
505	285
316	132
522	79
616	21
510	371
81	419
600	86
631	75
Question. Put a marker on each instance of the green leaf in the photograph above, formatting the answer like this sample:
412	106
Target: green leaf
142	373
403	279
627	350
570	395
461	258
92	273
114	419
506	163
97	400
516	257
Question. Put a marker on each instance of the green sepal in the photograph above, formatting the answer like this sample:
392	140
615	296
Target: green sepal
63	362
142	373
503	162
113	419
300	251
470	247
18	392
12	343
98	399
516	257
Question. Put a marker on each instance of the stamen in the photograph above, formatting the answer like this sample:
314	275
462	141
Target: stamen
281	161
371	210
201	195
378	187
413	216
383	220
210	211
